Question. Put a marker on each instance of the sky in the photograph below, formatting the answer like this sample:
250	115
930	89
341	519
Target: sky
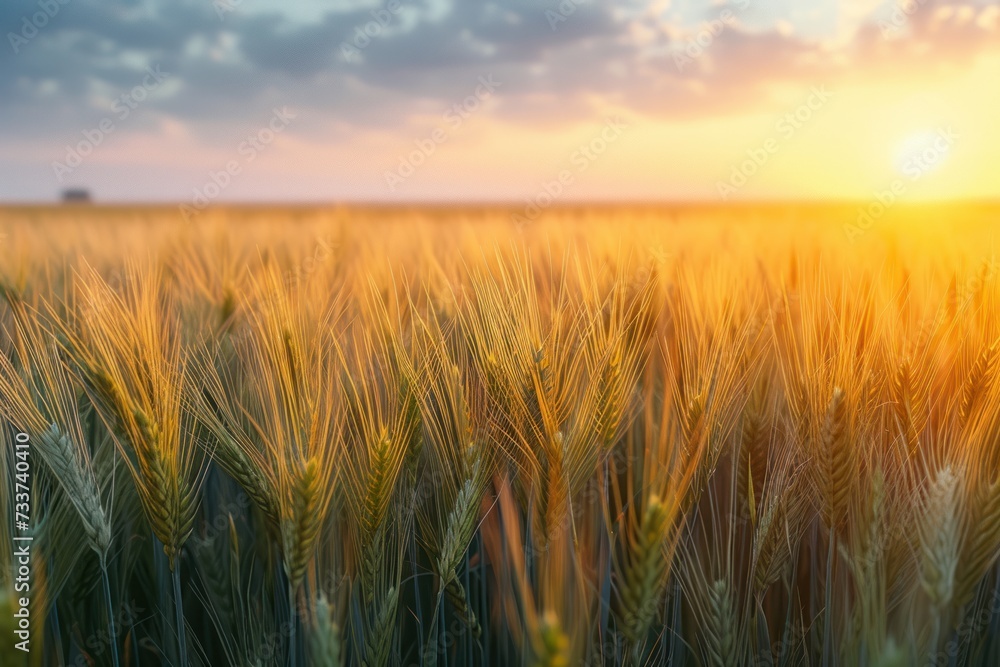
214	101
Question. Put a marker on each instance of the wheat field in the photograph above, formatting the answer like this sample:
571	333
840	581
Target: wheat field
720	436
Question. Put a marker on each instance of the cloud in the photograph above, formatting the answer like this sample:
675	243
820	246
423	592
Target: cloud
227	70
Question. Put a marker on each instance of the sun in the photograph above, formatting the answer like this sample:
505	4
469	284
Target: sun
923	152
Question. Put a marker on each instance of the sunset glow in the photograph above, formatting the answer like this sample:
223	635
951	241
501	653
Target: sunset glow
402	112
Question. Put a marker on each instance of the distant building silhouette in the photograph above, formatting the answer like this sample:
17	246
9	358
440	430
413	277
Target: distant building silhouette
76	196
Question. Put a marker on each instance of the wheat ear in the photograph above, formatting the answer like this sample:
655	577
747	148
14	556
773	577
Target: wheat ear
80	488
939	537
644	572
325	648
461	526
720	631
982	544
976	382
378	643
835	459
301	527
